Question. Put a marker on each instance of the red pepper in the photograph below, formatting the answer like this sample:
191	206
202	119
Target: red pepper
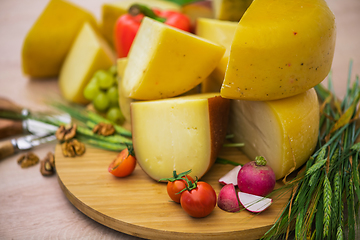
128	24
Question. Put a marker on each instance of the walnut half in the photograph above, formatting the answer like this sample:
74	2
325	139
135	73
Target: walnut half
28	159
47	166
66	133
73	148
105	129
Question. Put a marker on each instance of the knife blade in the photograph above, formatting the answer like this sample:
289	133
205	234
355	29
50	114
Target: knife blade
28	125
13	146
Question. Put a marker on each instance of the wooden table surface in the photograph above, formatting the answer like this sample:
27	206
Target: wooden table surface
33	206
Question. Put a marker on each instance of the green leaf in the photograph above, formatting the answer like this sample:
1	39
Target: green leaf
226	161
327	197
356	147
316	166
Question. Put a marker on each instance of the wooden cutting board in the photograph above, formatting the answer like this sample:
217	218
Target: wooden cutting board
140	206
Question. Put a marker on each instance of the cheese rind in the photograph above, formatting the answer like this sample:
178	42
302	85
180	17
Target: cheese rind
179	134
88	54
280	49
279	130
165	62
222	33
47	43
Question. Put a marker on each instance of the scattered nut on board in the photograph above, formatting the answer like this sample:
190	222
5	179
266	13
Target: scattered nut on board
105	129
72	148
65	133
47	165
28	159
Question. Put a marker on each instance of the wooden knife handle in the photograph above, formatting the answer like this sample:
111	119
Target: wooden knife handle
7	105
10	128
6	149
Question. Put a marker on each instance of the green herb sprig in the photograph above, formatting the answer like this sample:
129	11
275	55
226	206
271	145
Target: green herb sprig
329	185
86	121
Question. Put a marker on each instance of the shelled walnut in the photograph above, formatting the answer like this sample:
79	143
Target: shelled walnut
105	129
28	159
72	148
65	133
47	165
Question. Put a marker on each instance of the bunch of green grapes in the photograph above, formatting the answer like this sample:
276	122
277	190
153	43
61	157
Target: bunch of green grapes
102	91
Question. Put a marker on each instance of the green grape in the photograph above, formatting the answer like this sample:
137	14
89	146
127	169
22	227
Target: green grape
93	80
91	90
101	102
113	70
104	79
113	95
115	115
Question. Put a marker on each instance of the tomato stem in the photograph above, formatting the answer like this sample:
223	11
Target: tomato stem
189	184
176	176
130	150
136	9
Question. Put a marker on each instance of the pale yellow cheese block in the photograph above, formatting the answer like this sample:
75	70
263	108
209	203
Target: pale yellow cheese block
111	11
88	54
124	102
222	33
49	39
230	10
280	49
196	10
165	62
279	130
179	133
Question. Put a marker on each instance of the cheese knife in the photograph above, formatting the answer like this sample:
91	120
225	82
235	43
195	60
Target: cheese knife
13	146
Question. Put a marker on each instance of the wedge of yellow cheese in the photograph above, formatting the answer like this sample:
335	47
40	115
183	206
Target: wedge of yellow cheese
165	62
88	54
49	39
280	49
113	10
196	10
222	33
179	133
230	10
124	102
284	131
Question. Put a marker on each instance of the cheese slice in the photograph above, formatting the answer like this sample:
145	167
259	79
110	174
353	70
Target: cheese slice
283	131
88	54
222	33
165	62
179	133
49	40
280	49
124	101
111	11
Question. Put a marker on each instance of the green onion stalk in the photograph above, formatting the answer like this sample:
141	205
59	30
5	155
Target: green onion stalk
328	186
86	120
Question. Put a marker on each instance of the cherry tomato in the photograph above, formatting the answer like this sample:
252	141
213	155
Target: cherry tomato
174	188
199	201
124	163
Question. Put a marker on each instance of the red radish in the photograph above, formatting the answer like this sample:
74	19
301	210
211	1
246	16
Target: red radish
256	178
227	199
231	176
254	203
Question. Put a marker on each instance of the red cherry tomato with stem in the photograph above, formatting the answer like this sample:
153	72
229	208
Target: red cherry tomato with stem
177	184
124	163
199	200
